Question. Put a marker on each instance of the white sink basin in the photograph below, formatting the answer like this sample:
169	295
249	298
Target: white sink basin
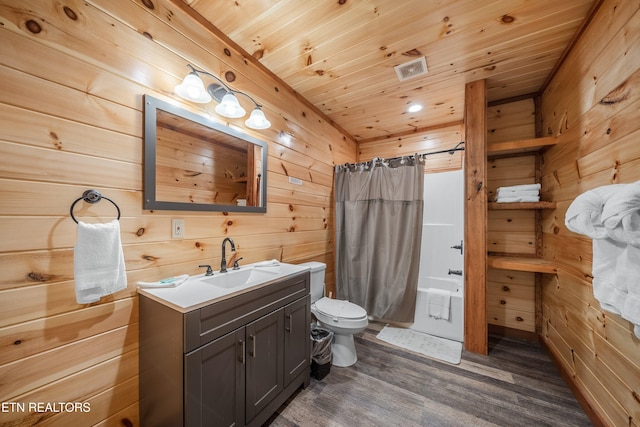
201	290
246	276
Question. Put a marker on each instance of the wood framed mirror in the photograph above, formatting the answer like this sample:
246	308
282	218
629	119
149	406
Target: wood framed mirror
193	163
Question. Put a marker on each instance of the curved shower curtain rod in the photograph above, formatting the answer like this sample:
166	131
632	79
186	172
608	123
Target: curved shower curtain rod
451	151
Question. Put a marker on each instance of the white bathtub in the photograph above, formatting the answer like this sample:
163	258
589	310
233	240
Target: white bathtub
454	327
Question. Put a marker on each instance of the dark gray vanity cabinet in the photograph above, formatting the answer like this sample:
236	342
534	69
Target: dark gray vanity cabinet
297	317
215	378
230	363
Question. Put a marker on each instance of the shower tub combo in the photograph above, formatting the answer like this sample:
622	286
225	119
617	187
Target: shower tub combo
441	255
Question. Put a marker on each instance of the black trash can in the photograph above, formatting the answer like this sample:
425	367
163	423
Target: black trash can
320	351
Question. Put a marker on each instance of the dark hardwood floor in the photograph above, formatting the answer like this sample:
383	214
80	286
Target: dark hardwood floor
516	385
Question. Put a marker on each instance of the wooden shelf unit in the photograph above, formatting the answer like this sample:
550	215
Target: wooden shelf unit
527	268
521	146
522	205
533	265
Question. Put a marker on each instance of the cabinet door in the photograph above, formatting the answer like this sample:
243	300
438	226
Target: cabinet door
264	361
297	343
215	382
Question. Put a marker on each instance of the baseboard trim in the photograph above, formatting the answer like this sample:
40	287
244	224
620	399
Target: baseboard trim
568	378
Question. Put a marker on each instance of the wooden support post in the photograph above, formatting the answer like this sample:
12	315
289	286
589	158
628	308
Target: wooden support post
475	221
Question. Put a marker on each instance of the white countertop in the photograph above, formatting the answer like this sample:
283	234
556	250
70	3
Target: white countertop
195	293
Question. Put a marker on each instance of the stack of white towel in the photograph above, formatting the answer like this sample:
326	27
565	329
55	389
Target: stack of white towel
610	215
518	193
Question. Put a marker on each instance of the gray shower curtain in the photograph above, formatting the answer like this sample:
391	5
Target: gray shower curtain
379	208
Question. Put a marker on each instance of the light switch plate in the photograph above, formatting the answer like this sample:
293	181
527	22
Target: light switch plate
177	228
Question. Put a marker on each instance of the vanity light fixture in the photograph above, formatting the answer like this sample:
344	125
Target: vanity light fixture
192	89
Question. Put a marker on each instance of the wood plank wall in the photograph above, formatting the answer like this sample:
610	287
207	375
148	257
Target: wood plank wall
423	141
593	105
73	75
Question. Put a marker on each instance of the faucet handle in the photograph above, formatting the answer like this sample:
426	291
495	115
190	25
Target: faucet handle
235	264
209	269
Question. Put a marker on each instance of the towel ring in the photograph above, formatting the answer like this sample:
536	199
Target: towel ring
91	196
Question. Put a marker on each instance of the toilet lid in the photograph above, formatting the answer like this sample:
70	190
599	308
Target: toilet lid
338	308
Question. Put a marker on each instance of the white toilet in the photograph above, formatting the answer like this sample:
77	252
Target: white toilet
341	317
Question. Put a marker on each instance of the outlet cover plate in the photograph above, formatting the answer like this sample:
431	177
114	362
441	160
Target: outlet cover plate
177	228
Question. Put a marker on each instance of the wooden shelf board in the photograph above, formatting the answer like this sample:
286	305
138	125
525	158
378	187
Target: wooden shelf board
523	205
522	146
534	265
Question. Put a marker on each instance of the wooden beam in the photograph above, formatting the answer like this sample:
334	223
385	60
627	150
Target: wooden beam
475	222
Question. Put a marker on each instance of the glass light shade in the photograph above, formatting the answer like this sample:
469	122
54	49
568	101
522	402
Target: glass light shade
257	120
192	89
230	107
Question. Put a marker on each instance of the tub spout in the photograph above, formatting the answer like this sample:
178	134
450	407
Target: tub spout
456	272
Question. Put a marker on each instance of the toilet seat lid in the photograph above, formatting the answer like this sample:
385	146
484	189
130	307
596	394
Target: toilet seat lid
339	308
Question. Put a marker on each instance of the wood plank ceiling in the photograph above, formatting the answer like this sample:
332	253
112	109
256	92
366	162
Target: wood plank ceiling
340	54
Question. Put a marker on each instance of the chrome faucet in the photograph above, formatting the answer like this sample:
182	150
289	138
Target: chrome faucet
456	272
223	263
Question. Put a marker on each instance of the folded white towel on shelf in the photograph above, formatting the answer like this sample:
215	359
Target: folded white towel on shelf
516	193
438	303
516	199
522	187
99	267
169	282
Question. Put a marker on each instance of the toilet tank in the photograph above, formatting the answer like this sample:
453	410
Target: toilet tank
317	279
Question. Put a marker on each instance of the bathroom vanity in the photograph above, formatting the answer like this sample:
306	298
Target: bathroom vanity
211	356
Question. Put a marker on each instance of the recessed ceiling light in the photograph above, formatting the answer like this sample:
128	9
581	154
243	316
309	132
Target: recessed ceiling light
414	108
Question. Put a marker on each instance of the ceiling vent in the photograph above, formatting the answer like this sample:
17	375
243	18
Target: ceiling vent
411	69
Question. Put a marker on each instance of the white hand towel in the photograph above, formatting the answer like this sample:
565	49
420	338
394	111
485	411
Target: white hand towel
621	215
518	199
608	289
170	282
629	276
584	215
621	218
99	268
438	303
522	187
